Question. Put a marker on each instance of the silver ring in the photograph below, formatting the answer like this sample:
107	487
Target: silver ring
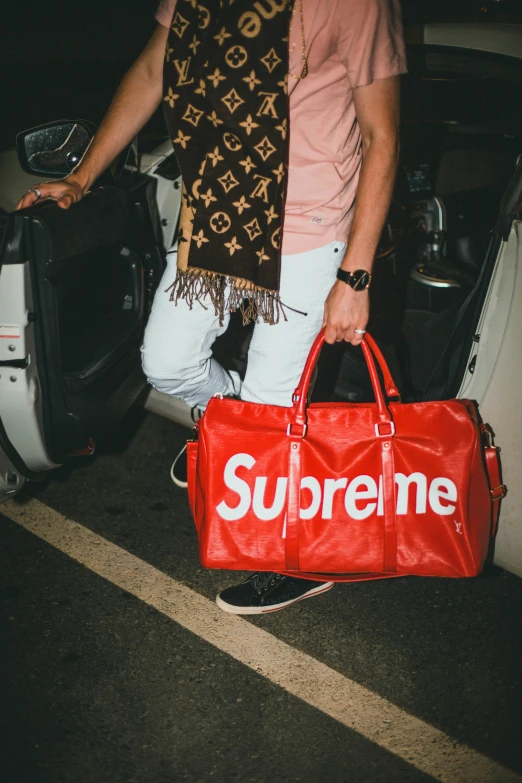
360	331
35	190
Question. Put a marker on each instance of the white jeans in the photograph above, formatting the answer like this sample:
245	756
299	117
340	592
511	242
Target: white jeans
177	347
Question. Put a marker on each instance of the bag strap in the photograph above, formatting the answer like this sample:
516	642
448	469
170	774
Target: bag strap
293	507
384	432
389	503
497	489
368	577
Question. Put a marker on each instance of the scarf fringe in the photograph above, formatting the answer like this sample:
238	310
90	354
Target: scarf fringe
254	303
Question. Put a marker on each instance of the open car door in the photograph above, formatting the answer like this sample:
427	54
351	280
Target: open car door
76	287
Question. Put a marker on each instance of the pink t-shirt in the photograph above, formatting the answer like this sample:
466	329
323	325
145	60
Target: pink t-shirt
349	43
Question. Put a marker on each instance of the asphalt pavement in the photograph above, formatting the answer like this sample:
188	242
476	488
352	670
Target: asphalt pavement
100	686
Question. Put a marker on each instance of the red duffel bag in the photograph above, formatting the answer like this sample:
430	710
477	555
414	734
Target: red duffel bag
355	491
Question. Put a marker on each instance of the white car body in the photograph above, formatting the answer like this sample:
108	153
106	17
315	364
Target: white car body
497	377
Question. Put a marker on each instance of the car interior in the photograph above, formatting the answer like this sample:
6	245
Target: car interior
461	138
460	145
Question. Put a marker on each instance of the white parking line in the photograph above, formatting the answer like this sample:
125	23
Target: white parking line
358	708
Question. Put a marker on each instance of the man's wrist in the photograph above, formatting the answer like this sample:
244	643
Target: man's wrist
82	178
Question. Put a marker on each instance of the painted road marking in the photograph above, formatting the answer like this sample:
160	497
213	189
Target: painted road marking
367	713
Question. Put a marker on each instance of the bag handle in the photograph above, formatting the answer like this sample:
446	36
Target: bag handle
370	350
390	386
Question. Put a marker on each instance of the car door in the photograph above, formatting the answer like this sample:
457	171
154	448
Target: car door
76	287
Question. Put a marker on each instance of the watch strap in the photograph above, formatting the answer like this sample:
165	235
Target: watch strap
359	280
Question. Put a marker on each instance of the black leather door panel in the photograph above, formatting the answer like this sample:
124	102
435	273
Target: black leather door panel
99	220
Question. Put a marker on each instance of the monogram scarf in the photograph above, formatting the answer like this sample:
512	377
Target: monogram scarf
226	109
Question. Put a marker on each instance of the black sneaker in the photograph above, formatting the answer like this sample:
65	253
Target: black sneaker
178	471
267	592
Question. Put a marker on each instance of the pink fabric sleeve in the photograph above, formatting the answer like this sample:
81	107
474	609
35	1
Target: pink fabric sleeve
371	43
165	12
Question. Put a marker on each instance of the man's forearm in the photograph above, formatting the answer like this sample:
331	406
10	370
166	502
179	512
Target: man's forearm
374	194
136	100
134	103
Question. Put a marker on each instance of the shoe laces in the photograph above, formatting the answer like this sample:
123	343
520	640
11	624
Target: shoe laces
263	580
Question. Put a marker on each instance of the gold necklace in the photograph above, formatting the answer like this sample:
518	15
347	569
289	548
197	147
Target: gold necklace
304	71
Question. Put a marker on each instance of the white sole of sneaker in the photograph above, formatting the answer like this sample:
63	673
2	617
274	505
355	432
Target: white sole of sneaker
321	588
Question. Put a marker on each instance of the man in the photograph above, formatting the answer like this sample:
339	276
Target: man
275	135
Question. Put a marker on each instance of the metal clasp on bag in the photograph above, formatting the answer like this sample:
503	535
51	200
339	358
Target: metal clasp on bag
390	434
503	492
488	434
300	435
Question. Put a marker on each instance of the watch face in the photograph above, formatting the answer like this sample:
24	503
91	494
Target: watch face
360	279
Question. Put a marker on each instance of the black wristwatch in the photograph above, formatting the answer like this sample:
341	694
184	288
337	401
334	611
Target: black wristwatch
359	280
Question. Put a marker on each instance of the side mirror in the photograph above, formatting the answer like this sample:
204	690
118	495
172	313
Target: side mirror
54	149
